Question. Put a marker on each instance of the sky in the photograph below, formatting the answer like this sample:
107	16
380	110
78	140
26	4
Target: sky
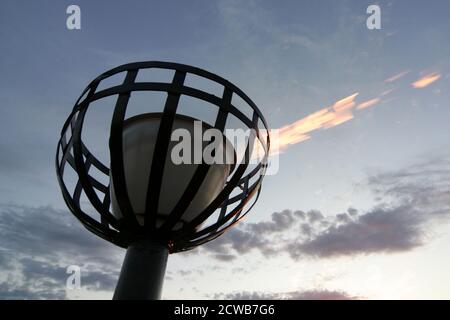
360	205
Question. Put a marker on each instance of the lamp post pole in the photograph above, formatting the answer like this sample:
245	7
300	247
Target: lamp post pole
143	269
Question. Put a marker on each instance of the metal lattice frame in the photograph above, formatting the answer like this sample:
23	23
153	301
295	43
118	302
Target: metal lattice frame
71	150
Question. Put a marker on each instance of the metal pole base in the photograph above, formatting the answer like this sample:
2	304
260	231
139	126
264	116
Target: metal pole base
142	274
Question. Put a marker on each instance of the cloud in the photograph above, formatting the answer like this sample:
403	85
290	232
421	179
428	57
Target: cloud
425	81
38	244
241	241
225	257
397	76
380	230
341	111
410	200
318	294
280	221
368	103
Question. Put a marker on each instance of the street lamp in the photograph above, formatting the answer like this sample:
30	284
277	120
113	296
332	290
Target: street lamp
151	205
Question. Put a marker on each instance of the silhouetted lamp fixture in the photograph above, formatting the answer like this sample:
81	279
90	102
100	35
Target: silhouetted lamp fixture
150	205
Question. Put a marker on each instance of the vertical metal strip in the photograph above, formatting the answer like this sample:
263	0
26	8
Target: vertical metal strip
116	154
160	152
201	171
224	194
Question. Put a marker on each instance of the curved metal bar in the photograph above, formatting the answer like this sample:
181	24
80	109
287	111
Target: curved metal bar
160	154
186	69
116	154
200	172
183	90
226	218
81	167
90	223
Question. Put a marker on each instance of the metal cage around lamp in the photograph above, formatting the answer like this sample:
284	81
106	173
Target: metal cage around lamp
238	195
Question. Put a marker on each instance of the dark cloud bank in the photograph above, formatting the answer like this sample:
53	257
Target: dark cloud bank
409	201
303	295
37	244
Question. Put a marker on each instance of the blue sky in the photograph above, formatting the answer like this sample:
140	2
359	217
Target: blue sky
389	163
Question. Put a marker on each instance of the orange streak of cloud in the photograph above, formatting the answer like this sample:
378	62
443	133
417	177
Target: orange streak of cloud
426	80
345	104
386	92
339	119
368	103
298	131
397	76
341	111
